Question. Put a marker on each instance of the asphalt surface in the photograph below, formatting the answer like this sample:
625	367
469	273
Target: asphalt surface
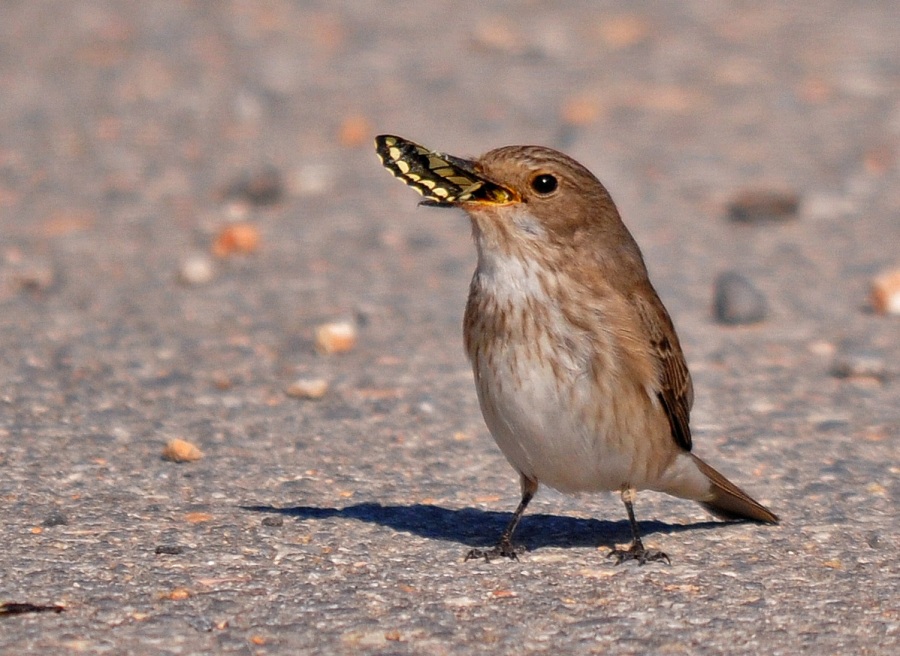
132	134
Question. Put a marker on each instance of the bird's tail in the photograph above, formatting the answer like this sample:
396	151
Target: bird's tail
729	501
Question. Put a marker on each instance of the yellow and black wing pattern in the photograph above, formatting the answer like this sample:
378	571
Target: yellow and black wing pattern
442	179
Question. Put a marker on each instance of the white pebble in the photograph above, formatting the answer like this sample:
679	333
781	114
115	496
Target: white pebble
196	269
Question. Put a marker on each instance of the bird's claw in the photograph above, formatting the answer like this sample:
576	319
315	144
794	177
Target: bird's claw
503	549
637	552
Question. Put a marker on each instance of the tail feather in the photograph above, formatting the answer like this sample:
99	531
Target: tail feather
729	501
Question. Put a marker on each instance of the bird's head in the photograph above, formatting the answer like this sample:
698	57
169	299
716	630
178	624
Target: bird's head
513	194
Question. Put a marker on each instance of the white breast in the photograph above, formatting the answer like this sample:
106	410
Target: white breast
569	426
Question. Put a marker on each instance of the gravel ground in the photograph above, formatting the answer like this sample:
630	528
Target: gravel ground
188	189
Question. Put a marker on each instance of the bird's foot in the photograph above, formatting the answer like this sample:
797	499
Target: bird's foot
503	549
637	552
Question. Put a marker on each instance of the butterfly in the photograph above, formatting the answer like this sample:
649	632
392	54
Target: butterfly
444	180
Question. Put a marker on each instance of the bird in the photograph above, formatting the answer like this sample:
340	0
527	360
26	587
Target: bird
579	372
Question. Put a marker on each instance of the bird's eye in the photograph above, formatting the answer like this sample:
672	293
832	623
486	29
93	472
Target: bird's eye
544	184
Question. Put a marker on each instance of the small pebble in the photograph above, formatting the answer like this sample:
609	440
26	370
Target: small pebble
337	337
822	347
178	594
355	131
276	520
312	179
34	276
201	623
581	110
178	450
263	187
498	36
55	518
307	388
222	381
196	269
862	363
737	301
169	549
236	238
763	205
885	294
624	31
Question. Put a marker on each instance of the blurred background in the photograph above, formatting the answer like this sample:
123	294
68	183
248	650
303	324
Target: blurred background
198	242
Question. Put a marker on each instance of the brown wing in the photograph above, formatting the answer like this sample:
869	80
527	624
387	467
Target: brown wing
676	391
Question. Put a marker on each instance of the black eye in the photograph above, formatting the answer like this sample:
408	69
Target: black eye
544	184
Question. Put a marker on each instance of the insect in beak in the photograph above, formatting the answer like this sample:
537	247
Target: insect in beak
443	180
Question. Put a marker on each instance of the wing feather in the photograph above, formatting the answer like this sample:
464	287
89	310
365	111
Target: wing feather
675	391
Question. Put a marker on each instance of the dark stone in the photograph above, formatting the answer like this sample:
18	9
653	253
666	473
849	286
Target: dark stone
763	205
737	301
55	518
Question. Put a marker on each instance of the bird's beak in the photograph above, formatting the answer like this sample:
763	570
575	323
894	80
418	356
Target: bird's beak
444	180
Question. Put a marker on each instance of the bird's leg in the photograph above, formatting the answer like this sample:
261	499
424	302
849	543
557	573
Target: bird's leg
636	551
505	547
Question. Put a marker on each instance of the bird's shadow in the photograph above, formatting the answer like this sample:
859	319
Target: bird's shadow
480	528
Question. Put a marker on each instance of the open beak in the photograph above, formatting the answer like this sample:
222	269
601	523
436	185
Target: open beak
444	180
